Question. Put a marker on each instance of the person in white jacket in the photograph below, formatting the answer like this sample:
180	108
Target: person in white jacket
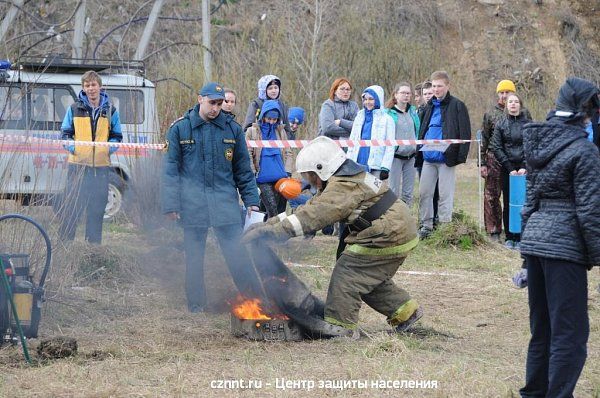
373	123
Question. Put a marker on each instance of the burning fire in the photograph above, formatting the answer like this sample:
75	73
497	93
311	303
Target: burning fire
245	308
249	309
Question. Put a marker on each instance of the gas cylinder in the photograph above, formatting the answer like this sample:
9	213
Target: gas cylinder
23	299
516	200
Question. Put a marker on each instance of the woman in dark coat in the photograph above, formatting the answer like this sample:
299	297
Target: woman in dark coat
561	226
507	146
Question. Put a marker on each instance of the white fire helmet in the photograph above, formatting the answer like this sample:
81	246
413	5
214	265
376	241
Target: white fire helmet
322	155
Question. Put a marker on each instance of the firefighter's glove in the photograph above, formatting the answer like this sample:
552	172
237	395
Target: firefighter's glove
112	149
520	278
266	232
310	235
384	174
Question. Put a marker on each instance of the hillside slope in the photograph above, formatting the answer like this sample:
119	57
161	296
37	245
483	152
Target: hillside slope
536	43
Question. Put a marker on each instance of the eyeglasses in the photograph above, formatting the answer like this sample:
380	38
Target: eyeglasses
344	89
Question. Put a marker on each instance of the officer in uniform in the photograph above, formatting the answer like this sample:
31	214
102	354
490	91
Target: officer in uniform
380	233
206	164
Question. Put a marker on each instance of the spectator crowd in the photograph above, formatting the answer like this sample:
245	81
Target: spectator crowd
208	169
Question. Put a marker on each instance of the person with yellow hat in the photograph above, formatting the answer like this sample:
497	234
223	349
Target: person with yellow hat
490	168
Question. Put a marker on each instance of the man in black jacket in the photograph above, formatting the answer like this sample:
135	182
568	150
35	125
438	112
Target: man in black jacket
561	225
445	117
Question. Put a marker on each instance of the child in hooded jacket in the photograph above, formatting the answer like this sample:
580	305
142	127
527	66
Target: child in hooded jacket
269	88
270	164
373	123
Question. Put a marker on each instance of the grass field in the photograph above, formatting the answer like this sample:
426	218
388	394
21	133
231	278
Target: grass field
125	305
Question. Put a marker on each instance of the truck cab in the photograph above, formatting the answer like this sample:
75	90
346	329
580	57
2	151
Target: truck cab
34	97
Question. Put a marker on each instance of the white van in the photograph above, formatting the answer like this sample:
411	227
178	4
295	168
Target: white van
34	97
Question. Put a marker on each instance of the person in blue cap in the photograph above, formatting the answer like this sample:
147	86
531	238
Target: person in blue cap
206	164
296	118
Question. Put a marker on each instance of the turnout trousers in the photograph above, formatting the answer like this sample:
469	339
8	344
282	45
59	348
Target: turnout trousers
358	278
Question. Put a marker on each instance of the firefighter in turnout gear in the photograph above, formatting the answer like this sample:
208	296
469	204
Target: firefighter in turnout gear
380	232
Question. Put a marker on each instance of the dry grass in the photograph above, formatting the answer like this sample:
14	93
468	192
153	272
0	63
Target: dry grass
136	339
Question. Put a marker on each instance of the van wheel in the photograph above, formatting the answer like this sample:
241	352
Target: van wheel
116	195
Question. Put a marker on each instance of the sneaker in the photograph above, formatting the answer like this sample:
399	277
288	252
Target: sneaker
495	237
509	244
404	326
424	232
517	246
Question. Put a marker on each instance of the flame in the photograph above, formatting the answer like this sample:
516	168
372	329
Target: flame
249	309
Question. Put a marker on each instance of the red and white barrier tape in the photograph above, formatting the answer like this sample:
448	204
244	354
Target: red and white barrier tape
349	143
22	139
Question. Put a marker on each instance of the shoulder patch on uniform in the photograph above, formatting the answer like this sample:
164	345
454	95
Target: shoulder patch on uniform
176	120
373	182
166	147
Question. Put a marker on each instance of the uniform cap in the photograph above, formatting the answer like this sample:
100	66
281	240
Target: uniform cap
213	91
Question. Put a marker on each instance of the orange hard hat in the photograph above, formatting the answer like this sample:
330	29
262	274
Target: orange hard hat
289	188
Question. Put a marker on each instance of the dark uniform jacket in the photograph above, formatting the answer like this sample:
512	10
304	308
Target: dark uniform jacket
561	216
507	141
205	165
455	125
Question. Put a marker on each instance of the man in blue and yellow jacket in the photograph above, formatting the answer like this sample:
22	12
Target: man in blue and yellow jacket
91	118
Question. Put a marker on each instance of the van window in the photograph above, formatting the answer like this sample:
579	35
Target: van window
48	107
11	108
129	103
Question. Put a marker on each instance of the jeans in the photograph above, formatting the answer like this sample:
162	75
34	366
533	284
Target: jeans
402	179
432	174
558	317
299	200
236	257
87	190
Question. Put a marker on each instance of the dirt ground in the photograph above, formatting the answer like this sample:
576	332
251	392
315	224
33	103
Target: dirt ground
136	337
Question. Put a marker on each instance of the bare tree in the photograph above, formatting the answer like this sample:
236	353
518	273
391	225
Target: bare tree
307	42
